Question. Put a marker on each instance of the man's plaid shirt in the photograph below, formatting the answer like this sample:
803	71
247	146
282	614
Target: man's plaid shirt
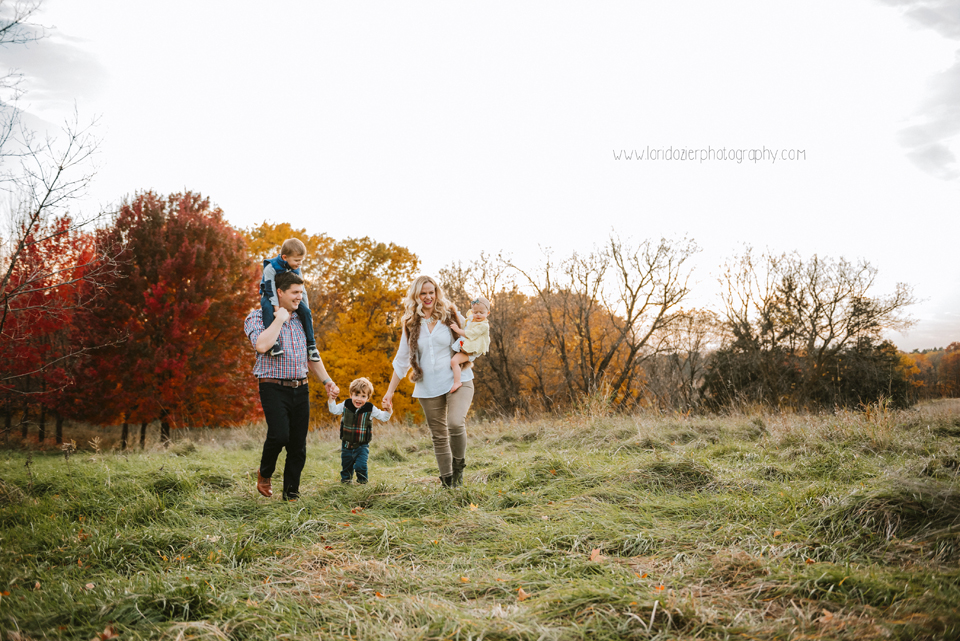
293	362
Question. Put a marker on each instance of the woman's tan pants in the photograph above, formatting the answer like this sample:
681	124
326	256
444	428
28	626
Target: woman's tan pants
446	418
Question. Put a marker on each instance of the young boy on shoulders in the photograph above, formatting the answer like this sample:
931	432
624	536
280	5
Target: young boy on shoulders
356	425
292	254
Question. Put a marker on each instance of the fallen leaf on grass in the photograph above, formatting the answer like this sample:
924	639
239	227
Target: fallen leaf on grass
810	561
379	596
827	616
108	633
660	588
473	508
522	594
464	579
89	586
595	555
356	510
777	532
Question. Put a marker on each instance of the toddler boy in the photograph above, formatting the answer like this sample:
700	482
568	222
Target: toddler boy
356	421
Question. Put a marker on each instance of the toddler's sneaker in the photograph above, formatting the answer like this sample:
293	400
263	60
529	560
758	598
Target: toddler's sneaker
276	350
313	353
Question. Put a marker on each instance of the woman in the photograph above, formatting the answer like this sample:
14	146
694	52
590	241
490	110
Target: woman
425	346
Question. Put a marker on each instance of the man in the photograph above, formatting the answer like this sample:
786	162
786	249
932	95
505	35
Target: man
284	394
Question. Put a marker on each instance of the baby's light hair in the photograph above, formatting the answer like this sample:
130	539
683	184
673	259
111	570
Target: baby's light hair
480	300
293	247
360	386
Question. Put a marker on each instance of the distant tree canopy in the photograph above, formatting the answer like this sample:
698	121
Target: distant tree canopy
948	378
608	328
574	330
807	333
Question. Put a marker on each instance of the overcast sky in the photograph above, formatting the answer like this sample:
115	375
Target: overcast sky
456	128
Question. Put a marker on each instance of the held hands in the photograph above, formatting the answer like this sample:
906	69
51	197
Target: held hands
387	401
332	390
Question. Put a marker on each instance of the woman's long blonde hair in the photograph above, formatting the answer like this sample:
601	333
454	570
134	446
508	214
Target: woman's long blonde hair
413	308
413	314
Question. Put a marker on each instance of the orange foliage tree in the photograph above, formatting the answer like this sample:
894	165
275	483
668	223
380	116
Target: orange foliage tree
577	330
355	287
372	278
948	373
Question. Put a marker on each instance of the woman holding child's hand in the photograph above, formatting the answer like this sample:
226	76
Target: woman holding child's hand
425	346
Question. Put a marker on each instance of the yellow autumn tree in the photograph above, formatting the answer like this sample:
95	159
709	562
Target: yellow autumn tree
355	287
318	268
373	277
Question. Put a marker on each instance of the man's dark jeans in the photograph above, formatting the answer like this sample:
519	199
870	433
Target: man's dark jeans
354	460
287	410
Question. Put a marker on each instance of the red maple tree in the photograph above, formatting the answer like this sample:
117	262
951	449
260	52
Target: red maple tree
179	299
47	290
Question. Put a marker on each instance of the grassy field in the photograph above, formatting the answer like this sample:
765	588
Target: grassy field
839	526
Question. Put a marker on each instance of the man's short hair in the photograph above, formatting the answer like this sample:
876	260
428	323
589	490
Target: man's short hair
361	386
293	247
286	280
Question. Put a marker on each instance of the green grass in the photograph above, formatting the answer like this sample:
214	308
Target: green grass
841	526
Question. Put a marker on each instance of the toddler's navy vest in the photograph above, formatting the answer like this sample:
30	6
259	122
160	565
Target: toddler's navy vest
356	422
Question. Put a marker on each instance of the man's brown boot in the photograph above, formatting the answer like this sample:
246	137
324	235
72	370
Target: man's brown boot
263	485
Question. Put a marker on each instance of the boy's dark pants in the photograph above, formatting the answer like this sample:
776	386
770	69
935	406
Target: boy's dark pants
287	410
303	311
354	460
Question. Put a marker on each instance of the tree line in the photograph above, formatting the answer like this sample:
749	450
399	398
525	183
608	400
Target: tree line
139	321
611	327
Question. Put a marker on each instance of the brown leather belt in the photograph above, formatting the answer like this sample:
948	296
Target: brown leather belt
286	382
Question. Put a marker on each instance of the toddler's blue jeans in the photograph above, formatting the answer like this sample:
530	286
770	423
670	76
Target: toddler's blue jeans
354	460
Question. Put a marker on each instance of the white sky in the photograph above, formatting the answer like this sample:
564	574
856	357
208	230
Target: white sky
454	128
